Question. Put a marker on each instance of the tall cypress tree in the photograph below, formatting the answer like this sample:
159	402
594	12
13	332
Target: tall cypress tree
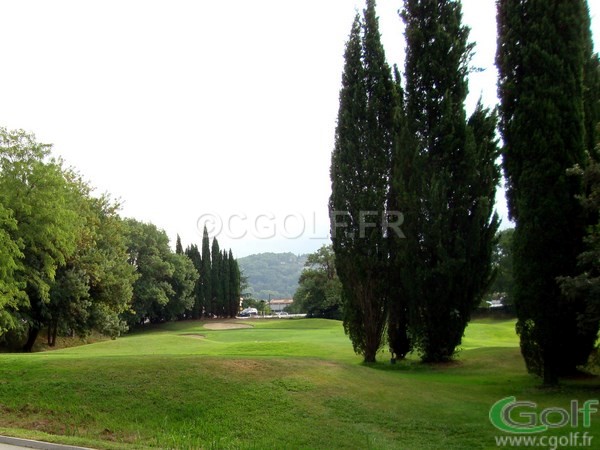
225	284
215	278
178	246
541	58
205	273
397	328
234	286
445	177
360	176
591	91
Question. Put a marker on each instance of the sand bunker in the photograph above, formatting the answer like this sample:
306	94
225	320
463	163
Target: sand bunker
225	326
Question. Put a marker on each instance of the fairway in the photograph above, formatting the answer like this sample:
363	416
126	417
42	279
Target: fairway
275	384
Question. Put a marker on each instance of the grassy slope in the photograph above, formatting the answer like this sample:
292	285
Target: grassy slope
281	384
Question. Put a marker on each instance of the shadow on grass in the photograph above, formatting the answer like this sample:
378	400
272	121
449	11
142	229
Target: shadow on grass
412	365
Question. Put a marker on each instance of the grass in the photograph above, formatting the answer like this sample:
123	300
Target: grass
280	384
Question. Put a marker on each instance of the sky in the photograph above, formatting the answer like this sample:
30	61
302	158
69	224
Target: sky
192	113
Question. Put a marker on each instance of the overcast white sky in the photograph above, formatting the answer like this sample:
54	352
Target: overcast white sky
188	108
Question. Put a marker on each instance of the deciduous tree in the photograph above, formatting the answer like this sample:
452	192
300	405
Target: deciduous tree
319	291
43	205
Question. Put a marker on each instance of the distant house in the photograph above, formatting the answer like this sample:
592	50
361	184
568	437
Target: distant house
280	304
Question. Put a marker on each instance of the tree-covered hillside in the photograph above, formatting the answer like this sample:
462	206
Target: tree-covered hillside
274	274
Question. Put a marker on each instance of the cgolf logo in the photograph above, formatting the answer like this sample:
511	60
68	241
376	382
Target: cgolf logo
523	417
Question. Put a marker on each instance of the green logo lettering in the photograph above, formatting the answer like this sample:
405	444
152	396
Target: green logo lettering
501	418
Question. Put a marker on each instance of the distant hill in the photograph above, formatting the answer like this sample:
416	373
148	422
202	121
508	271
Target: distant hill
272	273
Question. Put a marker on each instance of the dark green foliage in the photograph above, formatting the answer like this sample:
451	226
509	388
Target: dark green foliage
502	263
397	328
445	177
215	278
225	286
205	273
584	288
591	90
194	254
149	253
320	292
360	169
234	286
217	284
167	283
178	246
543	47
94	287
183	281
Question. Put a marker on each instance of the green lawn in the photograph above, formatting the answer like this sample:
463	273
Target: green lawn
280	384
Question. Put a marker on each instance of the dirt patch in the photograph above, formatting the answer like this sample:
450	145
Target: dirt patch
195	336
244	366
225	326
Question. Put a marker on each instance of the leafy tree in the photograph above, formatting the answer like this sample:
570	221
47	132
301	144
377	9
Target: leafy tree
541	58
194	254
320	292
149	253
11	290
359	176
94	287
183	281
43	204
445	177
502	262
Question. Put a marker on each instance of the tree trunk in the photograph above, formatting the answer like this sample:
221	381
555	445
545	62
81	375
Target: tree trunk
32	335
54	333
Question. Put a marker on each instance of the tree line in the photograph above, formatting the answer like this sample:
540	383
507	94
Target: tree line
217	291
69	264
407	153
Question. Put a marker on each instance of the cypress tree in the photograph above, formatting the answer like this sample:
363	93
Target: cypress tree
225	284
234	286
205	273
445	177
397	328
178	246
591	91
215	277
360	176
541	57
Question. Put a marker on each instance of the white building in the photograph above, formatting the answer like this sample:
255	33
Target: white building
280	304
